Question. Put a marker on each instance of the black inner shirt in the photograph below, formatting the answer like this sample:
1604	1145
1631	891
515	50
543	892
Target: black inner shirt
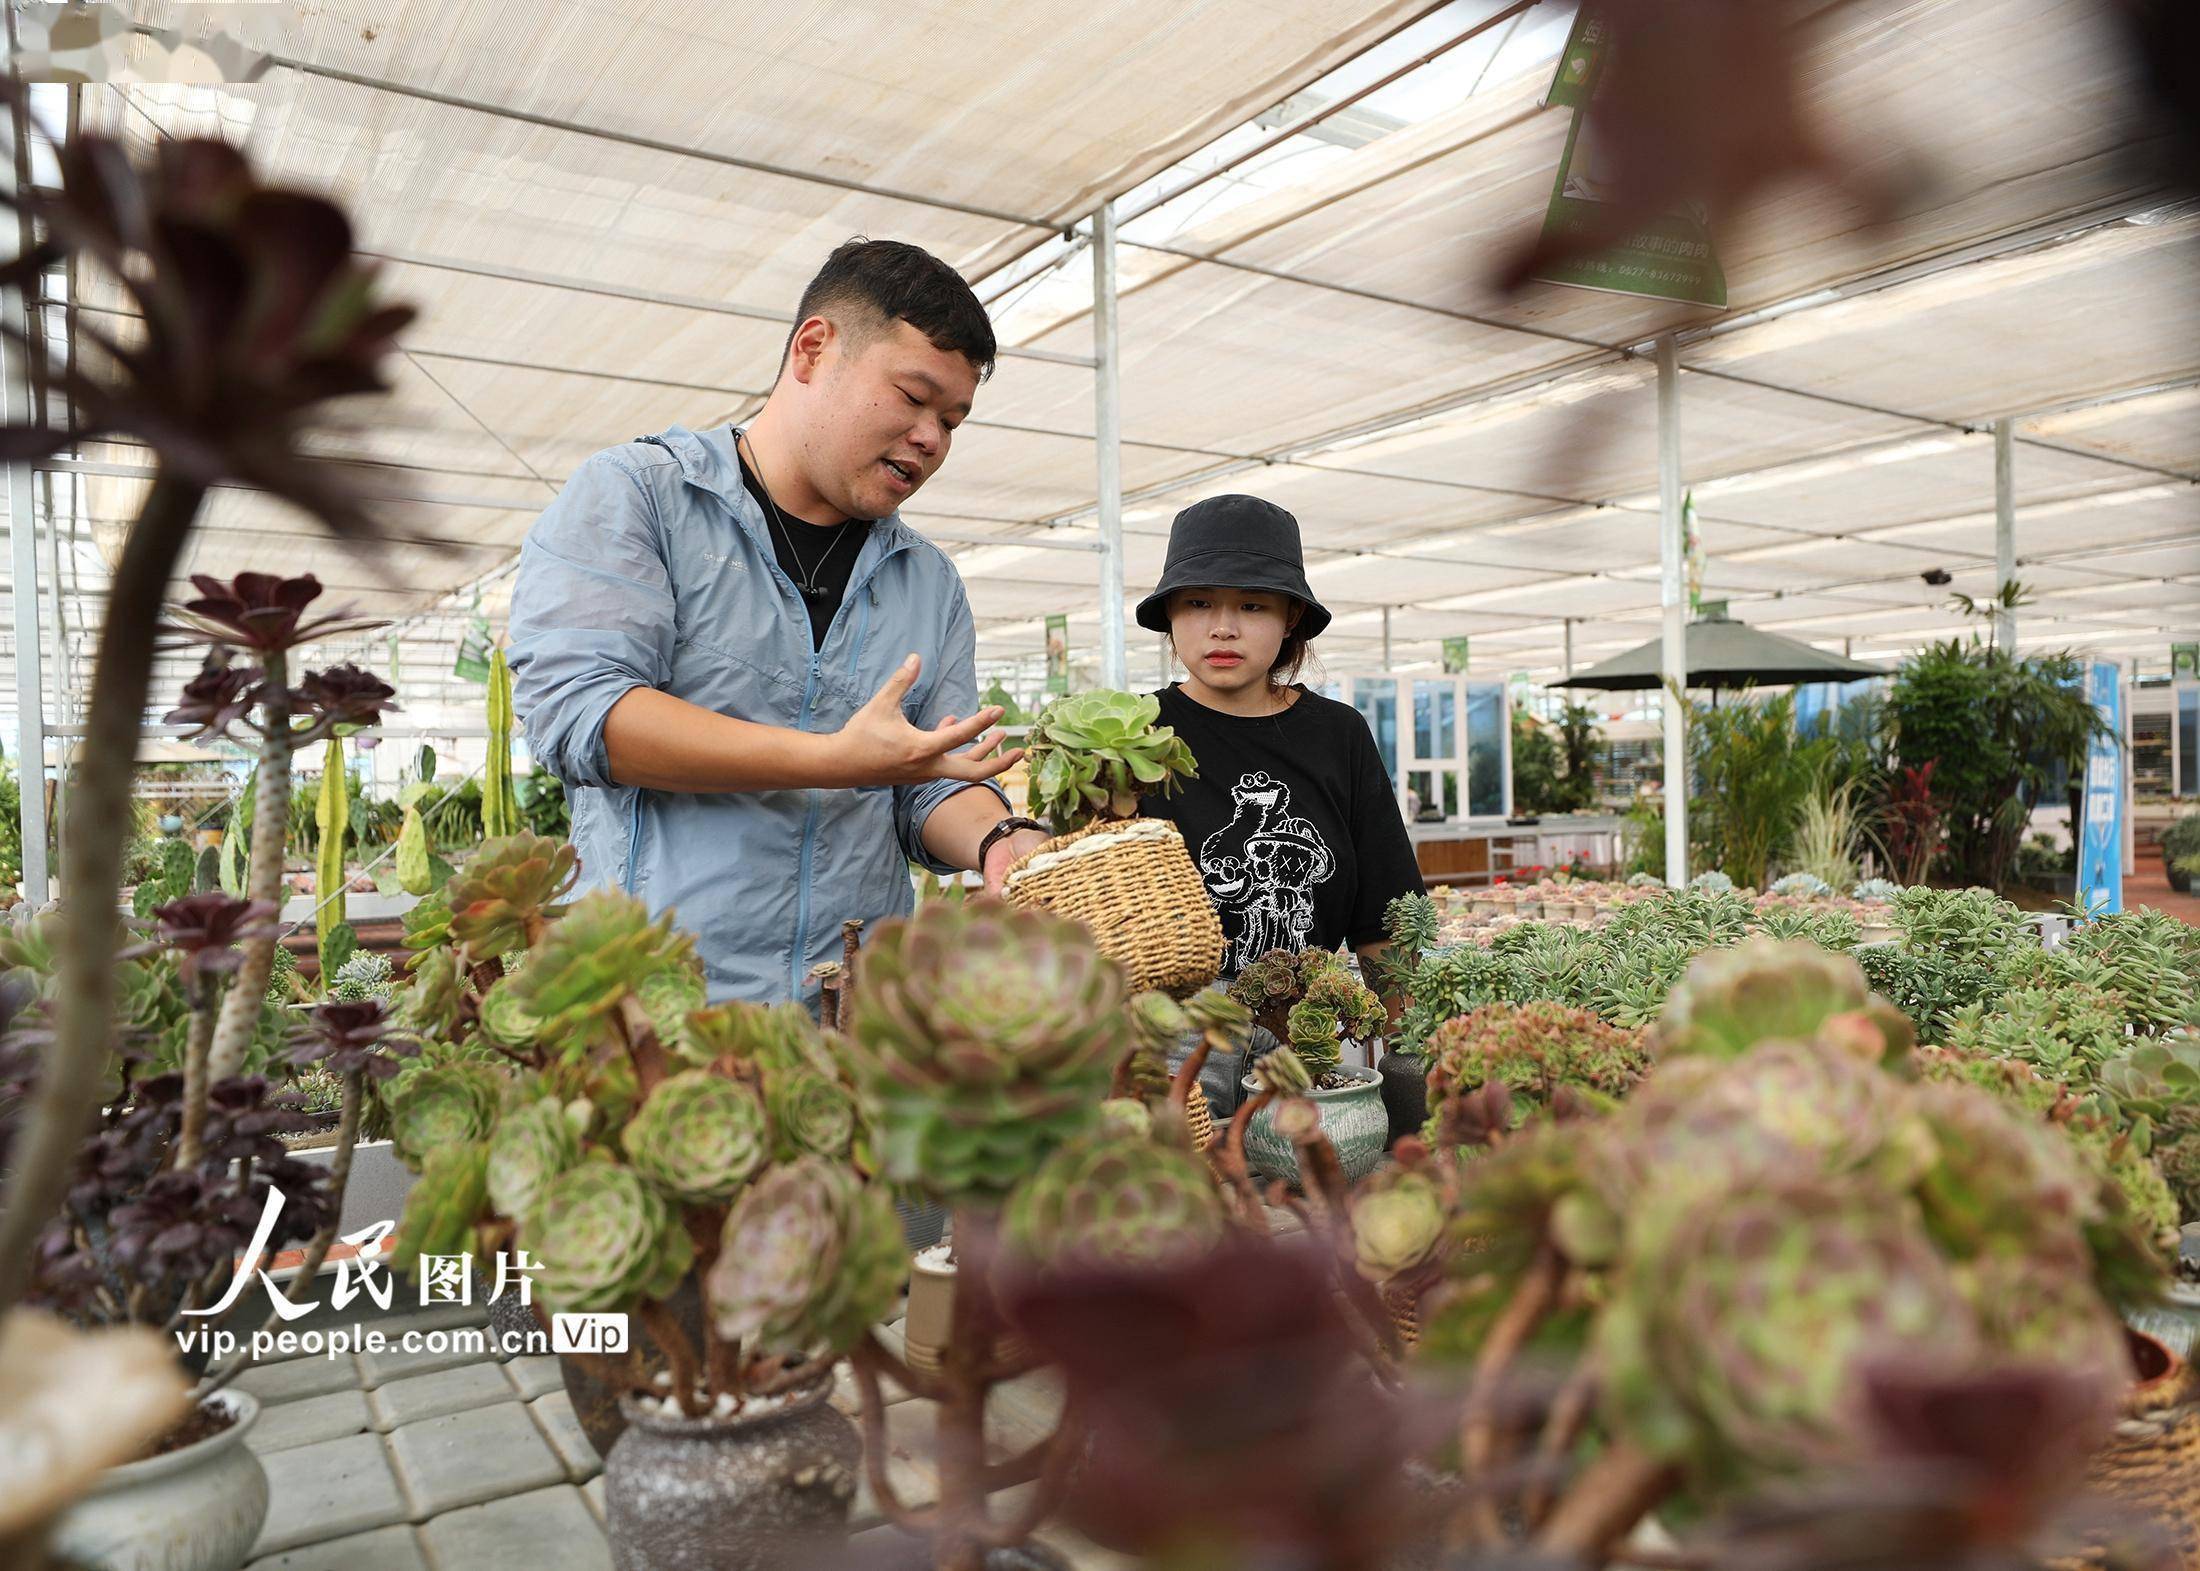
822	555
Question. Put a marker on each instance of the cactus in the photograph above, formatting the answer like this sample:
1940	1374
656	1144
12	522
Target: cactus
499	811
332	816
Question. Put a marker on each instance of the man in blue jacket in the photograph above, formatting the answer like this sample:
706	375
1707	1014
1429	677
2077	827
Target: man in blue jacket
755	680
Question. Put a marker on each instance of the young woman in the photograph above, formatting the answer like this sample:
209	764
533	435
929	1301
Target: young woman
1292	820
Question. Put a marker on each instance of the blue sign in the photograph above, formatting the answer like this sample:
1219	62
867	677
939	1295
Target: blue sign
2101	836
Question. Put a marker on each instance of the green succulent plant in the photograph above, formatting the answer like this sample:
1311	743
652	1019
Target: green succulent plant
1398	1221
1741	1322
984	1037
2066	1032
1974	925
1110	1199
1761	990
2152	1079
500	899
606	1240
533	1144
433	1105
1093	755
810	1259
428	925
698	1137
432	1002
1535	1050
444	1205
601	951
668	996
1828	929
2149	960
1281	1071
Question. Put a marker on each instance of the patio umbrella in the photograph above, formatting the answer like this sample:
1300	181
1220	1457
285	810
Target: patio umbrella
1725	653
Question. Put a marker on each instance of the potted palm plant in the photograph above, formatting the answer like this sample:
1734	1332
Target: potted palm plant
1130	880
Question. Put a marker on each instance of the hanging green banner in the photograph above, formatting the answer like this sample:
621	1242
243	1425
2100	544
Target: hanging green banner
473	652
2184	660
1058	653
1578	62
1667	259
1455	656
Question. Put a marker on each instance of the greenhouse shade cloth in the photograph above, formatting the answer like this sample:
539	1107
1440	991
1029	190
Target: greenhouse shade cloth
1723	653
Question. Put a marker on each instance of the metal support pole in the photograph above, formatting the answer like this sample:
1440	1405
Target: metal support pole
1107	392
30	697
1568	624
1386	638
63	707
2005	532
1673	596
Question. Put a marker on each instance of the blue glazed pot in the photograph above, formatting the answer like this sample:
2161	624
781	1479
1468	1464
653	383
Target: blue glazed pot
1353	1117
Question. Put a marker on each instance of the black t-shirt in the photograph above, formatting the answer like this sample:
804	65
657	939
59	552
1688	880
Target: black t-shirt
827	556
1293	822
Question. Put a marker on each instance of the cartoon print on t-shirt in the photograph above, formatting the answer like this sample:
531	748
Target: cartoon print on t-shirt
1261	868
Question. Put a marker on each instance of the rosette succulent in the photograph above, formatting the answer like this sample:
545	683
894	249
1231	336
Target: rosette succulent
500	899
698	1137
1714	881
1534	1050
2150	960
811	1258
606	1240
1093	755
1107	1199
668	996
432	1105
1801	886
504	1018
603	949
1741	1322
984	1037
2067	1032
1761	990
443	1206
1876	890
533	1144
1397	1223
812	1114
1282	1072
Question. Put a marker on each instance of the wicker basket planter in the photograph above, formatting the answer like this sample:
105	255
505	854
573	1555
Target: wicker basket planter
1132	882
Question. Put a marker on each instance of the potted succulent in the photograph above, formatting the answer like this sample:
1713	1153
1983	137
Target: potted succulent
189	1150
1780	1215
696	1167
1550	1059
1329	1007
1090	758
986	1039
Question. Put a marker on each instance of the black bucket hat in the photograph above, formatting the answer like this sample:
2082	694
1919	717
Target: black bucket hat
1234	542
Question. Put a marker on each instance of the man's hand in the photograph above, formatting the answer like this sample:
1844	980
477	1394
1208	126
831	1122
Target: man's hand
1004	852
878	745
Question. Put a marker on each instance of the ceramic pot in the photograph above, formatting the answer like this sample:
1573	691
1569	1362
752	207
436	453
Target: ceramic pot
746	1493
197	1509
512	1324
1353	1117
596	1402
1405	1092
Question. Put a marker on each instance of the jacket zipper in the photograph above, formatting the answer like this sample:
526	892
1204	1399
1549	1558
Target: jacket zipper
806	855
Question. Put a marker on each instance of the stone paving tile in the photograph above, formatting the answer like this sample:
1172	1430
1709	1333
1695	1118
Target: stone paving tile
457	1390
328	1490
1022	1412
910	1429
463	1459
309	1419
545	1530
395	1362
554	1417
293	1379
534	1376
592	1491
384	1549
848	1397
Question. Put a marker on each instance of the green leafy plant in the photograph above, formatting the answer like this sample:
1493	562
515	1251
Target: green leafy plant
2065	1032
1093	755
1993	729
1755	776
2149	960
1111	1199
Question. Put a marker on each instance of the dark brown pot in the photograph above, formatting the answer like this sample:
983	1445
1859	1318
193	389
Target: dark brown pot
731	1494
596	1401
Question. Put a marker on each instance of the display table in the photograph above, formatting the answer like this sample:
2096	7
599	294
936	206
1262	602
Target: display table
1480	850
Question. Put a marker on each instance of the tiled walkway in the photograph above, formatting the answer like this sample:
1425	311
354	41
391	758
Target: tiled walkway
462	1460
